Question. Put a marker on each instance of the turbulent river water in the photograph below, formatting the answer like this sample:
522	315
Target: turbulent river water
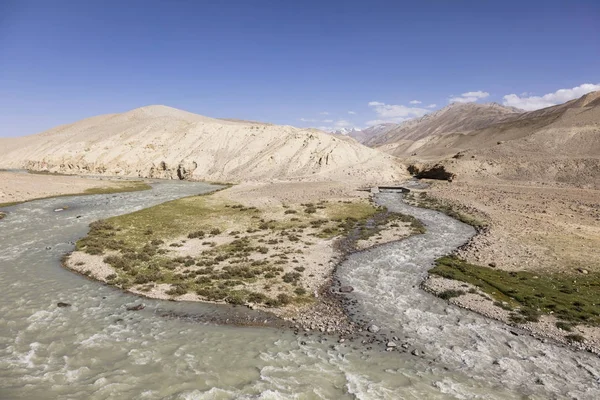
96	349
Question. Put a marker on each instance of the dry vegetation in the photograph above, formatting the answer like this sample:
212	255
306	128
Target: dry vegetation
207	248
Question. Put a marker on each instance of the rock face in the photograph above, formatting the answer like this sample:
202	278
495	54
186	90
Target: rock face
163	142
437	171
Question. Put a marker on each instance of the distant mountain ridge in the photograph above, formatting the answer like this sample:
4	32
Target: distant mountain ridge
456	117
559	143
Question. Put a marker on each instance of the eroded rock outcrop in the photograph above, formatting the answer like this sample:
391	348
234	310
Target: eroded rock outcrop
437	171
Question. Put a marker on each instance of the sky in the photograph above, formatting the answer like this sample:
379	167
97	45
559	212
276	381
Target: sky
327	64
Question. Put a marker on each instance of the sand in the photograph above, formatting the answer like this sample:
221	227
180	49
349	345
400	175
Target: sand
532	226
19	186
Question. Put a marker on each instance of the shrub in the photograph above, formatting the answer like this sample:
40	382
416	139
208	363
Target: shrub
291	277
254	297
236	298
300	291
565	326
290	212
196	234
448	294
283	299
575	338
178	289
530	314
215	231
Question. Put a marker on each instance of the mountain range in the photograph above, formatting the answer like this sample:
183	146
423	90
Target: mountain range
164	142
491	141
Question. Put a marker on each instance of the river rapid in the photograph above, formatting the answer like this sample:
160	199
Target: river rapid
96	349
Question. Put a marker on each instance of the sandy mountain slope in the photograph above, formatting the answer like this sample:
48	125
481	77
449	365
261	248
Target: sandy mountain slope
163	142
560	143
455	118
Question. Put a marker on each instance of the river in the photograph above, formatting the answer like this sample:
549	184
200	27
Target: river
96	349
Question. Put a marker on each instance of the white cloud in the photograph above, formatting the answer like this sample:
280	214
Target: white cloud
308	120
468	97
331	125
351	112
374	122
395	113
432	106
551	99
415	102
324	113
342	123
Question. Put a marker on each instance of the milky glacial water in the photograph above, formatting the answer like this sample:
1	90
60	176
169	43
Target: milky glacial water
96	349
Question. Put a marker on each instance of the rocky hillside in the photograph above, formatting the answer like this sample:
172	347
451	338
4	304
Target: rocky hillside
559	143
455	118
163	142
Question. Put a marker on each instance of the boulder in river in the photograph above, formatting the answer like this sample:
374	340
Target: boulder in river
346	289
136	307
373	328
61	304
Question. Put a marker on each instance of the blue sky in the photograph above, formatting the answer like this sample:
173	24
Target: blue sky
303	63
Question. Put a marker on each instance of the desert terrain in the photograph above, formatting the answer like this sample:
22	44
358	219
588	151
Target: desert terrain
17	187
527	181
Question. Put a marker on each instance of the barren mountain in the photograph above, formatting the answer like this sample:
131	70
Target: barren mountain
559	143
163	142
455	118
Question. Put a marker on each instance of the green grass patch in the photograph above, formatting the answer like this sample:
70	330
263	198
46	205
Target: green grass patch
571	298
123	187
